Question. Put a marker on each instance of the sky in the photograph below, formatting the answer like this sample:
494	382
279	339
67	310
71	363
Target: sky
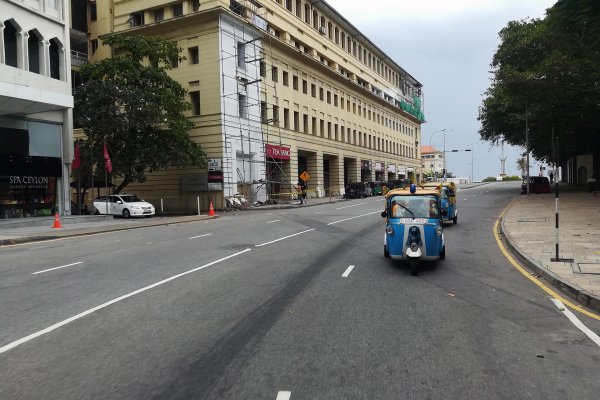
447	45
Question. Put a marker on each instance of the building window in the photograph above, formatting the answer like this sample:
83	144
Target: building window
10	44
298	9
136	19
285	79
241	55
177	10
313	90
263	112
242	105
286	118
195	5
305	123
307	13
94	45
194	55
315	19
314	126
54	53
263	69
321	94
328	97
342	103
159	15
288	5
93	12
195	100
304	86
275	115
296	121
33	51
295	82
274	74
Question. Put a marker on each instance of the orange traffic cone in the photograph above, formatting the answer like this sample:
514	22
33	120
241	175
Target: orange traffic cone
211	210
57	224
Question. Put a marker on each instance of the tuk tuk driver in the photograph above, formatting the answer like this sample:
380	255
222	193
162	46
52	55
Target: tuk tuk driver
433	209
398	208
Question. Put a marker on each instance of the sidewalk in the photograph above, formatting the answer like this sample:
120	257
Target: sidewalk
529	227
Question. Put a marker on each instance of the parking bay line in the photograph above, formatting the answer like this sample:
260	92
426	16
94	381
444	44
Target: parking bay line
283	238
347	272
275	220
353	205
567	313
199	236
51	328
358	216
52	269
283	395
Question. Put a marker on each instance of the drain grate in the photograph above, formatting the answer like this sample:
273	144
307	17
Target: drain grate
588	268
540	219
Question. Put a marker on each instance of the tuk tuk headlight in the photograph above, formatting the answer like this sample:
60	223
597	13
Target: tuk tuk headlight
438	230
389	230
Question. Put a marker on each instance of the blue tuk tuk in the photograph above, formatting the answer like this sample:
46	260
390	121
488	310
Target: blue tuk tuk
448	197
413	229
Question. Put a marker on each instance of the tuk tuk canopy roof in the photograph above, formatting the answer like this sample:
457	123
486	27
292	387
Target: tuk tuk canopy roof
438	185
421	191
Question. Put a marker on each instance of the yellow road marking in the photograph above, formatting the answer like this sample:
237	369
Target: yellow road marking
532	278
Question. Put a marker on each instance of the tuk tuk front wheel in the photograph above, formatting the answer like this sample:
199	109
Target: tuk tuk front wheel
455	220
386	252
414	267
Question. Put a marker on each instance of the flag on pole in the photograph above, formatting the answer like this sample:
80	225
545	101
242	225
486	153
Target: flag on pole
107	163
77	158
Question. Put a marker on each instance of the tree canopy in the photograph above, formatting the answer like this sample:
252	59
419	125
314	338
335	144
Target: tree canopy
551	67
137	109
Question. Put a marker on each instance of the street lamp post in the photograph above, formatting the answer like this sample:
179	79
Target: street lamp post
445	166
431	147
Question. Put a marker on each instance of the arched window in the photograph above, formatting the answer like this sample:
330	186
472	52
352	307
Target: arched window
10	43
337	35
315	19
307	13
35	51
330	30
298	8
54	55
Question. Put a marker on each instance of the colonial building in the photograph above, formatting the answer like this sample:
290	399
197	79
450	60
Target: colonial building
35	108
279	89
433	162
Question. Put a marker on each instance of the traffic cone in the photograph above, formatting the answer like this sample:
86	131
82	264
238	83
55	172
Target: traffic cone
57	224
211	210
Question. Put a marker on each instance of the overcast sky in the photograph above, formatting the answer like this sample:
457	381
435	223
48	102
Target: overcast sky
447	45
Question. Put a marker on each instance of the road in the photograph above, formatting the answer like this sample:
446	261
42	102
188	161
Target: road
238	308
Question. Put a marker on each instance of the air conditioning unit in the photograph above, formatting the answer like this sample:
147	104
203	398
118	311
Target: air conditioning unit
272	31
322	30
293	42
301	48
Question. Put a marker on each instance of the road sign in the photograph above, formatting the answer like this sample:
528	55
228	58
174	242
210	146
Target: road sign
304	176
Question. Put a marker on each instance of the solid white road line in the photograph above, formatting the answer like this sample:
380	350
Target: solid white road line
275	220
353	205
199	236
52	269
567	313
283	395
348	270
283	238
51	328
358	216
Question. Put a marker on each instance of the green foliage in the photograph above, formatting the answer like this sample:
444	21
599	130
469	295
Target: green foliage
489	179
550	66
137	109
512	178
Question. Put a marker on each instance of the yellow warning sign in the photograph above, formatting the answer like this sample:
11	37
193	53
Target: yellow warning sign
304	176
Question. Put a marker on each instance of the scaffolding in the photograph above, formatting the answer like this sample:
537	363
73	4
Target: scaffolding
247	130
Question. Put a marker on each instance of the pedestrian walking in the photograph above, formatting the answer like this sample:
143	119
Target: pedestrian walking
301	192
551	177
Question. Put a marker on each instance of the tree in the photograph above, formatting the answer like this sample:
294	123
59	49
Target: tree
136	109
522	165
549	67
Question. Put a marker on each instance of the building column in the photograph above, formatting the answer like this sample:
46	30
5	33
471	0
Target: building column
22	49
2	55
354	170
336	175
45	59
314	164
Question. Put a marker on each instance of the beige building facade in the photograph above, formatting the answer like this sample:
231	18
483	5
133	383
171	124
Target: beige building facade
278	89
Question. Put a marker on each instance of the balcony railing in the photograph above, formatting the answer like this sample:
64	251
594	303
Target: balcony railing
78	58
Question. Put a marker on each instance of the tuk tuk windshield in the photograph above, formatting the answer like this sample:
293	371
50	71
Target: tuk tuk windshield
414	207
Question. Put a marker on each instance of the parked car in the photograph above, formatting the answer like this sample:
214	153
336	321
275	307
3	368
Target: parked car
126	205
537	184
358	190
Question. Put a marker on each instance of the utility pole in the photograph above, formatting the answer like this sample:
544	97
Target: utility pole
527	147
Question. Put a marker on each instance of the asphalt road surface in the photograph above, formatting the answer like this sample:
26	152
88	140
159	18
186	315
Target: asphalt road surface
266	305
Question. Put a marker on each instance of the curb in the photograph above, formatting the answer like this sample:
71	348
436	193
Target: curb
30	239
576	293
289	206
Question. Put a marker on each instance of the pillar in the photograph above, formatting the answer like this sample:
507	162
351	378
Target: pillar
336	175
314	168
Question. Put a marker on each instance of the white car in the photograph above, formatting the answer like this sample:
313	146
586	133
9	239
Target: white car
126	205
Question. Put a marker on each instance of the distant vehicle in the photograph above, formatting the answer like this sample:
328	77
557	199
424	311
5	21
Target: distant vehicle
126	205
75	209
377	187
537	184
592	184
358	190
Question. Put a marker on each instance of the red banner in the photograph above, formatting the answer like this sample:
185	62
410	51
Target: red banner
277	152
77	158
107	162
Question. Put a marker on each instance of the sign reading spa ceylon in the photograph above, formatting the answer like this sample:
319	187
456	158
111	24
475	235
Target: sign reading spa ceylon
32	182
